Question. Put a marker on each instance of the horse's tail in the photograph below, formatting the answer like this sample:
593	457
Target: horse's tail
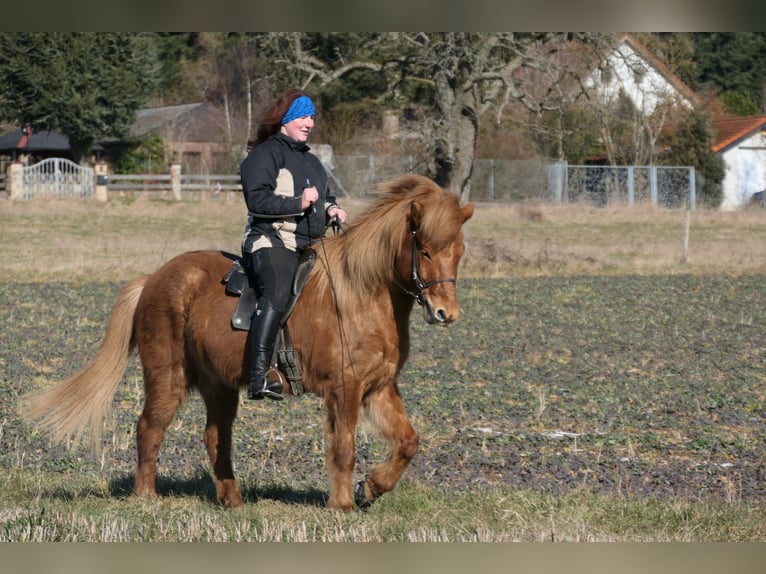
85	399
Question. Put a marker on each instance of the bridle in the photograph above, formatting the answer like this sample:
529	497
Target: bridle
420	284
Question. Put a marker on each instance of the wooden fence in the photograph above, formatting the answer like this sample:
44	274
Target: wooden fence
174	185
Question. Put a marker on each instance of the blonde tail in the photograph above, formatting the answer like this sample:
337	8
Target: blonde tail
85	399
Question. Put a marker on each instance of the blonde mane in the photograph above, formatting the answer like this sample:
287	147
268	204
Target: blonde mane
363	259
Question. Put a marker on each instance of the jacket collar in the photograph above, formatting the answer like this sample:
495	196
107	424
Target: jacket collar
296	145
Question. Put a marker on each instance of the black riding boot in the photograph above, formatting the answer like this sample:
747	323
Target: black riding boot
263	333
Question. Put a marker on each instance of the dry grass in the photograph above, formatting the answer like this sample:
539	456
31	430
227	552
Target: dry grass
82	240
83	510
549	239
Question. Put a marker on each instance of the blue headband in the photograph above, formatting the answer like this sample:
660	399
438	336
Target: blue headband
301	107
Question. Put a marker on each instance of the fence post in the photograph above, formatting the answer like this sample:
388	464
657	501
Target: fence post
692	188
15	181
653	184
372	177
101	170
557	181
631	187
492	180
175	180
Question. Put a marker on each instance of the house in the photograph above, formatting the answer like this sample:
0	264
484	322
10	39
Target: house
194	135
741	141
631	69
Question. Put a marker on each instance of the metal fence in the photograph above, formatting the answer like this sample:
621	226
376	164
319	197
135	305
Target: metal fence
509	181
505	181
663	186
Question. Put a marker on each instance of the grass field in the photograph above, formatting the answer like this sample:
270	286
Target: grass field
73	242
605	383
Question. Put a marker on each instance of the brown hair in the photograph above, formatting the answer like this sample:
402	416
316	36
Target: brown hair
272	119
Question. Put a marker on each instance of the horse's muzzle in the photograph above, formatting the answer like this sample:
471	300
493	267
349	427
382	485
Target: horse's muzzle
439	314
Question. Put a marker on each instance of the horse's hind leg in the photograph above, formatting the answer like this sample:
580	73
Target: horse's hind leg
385	411
221	404
165	390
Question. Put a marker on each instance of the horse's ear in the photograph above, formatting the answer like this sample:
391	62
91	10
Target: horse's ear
416	215
467	211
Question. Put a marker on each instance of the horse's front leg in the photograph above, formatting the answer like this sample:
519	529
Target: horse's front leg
384	410
221	406
340	441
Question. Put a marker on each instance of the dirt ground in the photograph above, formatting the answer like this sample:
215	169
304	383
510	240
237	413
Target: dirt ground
631	385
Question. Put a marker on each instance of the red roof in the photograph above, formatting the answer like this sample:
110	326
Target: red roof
730	129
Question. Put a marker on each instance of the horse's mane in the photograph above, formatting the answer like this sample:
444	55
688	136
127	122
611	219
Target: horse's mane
363	258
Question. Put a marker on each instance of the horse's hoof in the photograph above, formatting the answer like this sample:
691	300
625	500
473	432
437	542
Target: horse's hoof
360	496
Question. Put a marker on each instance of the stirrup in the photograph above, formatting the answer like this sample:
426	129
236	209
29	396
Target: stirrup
270	389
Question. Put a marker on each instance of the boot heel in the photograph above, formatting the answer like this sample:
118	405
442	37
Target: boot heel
271	389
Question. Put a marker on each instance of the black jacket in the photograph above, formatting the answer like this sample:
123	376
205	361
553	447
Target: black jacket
274	175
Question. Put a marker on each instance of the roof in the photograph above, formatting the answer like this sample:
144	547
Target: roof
44	140
191	122
39	141
731	129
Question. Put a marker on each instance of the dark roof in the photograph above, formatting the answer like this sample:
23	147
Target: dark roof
38	141
731	129
45	140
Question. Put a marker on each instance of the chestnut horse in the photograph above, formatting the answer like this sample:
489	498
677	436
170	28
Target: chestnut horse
349	329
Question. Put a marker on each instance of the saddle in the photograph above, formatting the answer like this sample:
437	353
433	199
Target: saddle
238	285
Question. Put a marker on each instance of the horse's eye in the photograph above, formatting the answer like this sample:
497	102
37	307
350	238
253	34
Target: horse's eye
425	254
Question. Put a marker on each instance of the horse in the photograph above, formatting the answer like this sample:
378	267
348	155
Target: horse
349	329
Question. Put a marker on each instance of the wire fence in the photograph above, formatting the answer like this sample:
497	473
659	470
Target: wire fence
511	181
502	181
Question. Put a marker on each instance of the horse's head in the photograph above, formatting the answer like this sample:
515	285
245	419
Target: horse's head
410	240
436	247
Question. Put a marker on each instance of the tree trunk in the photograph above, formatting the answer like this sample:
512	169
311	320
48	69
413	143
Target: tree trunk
455	133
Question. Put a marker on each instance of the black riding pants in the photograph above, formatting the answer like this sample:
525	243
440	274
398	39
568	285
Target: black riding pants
271	272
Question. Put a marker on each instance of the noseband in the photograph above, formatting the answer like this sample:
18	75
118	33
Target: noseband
420	285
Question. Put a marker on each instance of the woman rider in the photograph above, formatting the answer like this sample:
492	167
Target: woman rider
289	207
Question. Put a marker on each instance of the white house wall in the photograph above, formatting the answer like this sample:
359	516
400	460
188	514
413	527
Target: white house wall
640	81
745	171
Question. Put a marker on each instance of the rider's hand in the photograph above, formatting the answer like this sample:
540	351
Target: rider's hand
309	197
337	213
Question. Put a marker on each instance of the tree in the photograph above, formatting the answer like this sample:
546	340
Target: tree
734	62
465	75
86	85
176	53
691	144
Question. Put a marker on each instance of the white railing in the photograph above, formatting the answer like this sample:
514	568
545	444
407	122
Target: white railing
56	177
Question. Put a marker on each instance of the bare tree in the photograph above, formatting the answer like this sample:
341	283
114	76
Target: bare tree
468	73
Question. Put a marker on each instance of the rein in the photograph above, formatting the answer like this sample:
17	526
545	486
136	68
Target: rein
337	228
420	284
